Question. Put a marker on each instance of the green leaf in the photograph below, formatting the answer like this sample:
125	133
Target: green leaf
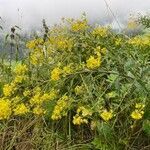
146	127
99	145
112	78
106	131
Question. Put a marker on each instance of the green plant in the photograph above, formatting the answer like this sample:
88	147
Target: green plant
85	88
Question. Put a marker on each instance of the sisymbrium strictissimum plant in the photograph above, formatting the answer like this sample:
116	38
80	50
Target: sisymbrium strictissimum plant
90	80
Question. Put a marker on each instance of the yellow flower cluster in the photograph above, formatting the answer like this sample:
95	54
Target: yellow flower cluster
78	120
31	44
36	99
100	31
26	93
37	57
55	74
61	107
39	97
67	70
93	62
21	109
84	111
36	48
140	41
79	25
98	49
15	100
20	75
81	116
34	43
139	106
138	112
20	78
5	109
38	110
118	41
61	42
21	69
106	115
111	94
9	89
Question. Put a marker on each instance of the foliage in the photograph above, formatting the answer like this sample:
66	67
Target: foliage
84	88
145	21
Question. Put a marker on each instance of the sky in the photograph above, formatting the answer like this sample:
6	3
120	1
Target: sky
29	13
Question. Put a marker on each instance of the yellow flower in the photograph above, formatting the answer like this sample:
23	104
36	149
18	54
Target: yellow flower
49	96
34	43
45	97
40	97
103	50
98	50
31	44
37	57
26	93
140	41
61	107
55	74
79	25
5	109
20	69
67	70
57	113
92	62
100	31
21	109
111	94
15	100
33	58
78	120
106	115
137	114
81	116
9	89
84	111
37	90
20	78
39	41
36	99
139	106
118	41
39	110
61	42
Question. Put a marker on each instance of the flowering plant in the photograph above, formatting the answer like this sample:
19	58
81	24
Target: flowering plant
82	76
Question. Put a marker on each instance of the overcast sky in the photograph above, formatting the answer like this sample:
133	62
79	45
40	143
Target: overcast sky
29	13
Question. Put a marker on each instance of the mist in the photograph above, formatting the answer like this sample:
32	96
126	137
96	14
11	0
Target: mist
28	14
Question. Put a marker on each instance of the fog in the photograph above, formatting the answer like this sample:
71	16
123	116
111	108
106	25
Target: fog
29	13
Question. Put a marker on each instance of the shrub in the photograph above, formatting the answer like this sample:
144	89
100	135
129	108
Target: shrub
85	84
